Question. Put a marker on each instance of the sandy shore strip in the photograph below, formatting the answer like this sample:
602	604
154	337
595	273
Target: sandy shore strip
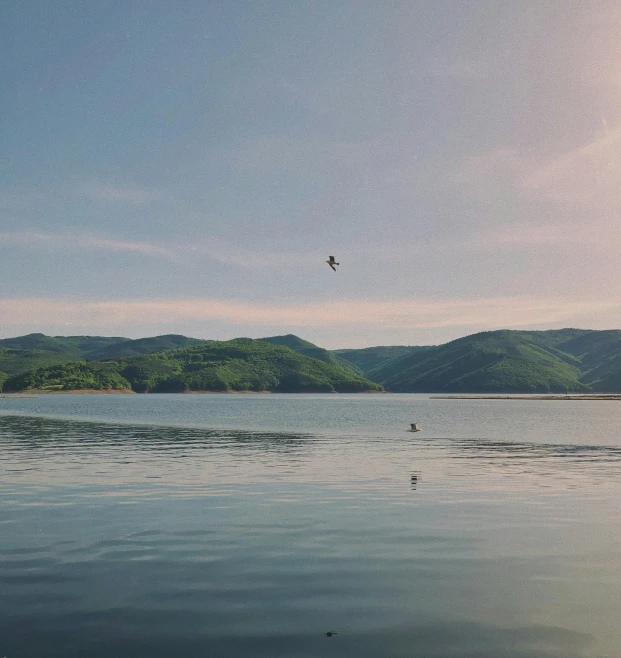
16	395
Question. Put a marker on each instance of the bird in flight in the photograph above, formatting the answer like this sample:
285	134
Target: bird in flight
331	633
415	428
332	263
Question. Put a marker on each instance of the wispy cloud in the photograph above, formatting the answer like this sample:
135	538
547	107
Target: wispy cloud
249	258
213	249
552	234
371	313
485	174
589	175
73	241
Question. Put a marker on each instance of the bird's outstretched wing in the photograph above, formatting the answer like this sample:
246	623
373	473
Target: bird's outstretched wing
332	266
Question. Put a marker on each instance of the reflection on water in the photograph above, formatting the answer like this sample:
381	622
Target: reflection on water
153	540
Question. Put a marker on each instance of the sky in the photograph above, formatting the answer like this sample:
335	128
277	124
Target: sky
189	167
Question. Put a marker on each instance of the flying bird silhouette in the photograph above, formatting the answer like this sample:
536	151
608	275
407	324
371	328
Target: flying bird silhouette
415	428
331	633
332	263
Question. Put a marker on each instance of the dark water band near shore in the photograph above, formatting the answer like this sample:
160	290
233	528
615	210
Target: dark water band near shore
580	396
524	396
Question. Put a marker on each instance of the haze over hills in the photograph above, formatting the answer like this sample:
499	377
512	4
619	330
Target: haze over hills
579	360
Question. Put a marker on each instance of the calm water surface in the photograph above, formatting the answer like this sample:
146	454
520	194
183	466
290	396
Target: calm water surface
241	526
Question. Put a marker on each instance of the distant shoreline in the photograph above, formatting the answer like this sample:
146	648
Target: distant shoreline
110	391
482	396
30	393
526	396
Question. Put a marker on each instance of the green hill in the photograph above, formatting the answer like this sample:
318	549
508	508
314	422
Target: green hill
495	361
371	358
599	353
25	353
241	364
309	349
579	360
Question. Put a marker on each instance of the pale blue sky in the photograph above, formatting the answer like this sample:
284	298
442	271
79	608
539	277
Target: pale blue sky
188	167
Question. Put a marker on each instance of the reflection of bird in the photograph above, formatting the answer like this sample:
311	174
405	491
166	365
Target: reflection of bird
331	633
415	428
332	263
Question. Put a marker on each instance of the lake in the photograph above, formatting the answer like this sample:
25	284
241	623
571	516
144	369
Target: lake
251	525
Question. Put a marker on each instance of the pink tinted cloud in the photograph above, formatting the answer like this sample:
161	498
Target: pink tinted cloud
588	176
552	234
371	313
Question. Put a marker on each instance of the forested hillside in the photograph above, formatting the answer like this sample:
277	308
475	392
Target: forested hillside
25	353
241	364
510	361
32	351
371	358
578	360
309	349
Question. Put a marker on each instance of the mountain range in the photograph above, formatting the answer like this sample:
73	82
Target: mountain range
507	361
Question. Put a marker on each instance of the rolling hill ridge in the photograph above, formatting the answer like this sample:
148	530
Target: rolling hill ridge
237	365
505	361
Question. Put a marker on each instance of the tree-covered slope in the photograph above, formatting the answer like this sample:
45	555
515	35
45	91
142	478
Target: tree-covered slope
25	353
309	349
14	360
69	376
241	364
599	353
504	361
371	358
487	362
496	361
